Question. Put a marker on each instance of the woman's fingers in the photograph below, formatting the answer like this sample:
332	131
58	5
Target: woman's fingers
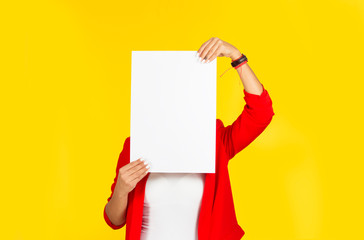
136	168
208	49
130	174
215	47
214	51
139	174
137	179
138	163
202	48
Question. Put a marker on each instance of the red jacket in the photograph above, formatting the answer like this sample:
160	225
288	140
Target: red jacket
217	219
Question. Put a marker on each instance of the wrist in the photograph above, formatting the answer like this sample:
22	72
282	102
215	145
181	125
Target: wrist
120	193
235	55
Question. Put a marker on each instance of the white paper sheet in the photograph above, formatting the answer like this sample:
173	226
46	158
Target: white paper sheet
173	111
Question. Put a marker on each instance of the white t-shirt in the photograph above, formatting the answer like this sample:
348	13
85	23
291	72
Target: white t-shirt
172	205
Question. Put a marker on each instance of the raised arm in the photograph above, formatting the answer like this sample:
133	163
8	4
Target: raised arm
255	117
258	110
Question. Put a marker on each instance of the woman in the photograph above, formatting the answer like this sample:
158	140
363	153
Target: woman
190	206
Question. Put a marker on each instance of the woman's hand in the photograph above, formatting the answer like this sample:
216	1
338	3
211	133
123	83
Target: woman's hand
130	175
216	47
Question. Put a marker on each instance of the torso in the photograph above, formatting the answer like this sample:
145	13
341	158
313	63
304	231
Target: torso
171	206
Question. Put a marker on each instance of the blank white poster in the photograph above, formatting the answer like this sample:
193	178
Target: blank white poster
173	111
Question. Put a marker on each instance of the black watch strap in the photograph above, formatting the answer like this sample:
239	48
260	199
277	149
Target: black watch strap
243	58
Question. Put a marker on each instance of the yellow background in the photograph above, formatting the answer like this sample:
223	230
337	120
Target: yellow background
65	110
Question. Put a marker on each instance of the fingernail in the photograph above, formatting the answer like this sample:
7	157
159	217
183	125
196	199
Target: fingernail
203	61
200	59
207	61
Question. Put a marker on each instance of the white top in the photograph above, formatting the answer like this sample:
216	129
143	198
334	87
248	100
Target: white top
172	205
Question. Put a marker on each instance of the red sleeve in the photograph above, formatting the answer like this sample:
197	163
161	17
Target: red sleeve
255	117
122	161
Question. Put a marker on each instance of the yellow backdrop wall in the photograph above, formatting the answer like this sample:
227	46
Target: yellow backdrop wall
65	110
